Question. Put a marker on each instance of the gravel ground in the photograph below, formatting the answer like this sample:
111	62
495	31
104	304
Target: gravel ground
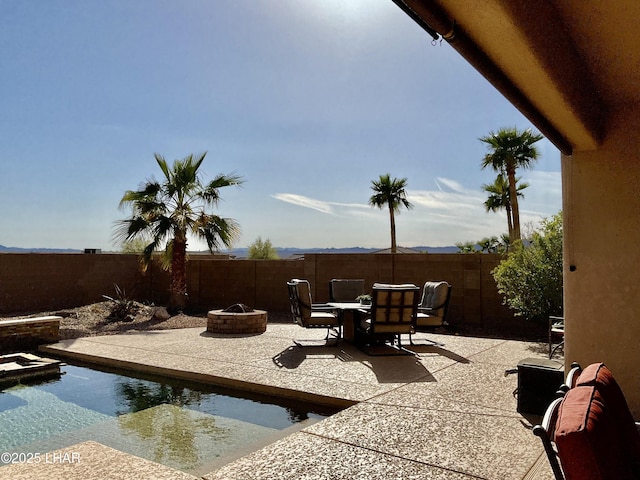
98	319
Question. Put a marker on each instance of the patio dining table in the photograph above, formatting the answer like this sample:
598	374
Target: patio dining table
350	312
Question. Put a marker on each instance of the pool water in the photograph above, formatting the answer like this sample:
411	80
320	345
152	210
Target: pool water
181	425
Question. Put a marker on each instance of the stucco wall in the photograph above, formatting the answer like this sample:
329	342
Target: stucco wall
601	203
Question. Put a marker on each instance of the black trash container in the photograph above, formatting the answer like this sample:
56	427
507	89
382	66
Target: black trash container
538	381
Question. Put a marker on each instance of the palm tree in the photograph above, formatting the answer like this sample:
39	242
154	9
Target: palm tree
511	149
489	244
499	197
390	191
166	212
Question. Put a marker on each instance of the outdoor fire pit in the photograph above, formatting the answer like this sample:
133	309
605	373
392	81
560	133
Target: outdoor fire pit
237	318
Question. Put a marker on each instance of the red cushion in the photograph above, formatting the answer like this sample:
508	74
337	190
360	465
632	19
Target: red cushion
588	438
600	377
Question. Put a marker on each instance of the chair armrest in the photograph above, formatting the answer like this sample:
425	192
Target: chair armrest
429	309
556	320
556	324
322	307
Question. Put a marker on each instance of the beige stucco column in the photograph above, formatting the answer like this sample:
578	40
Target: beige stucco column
601	204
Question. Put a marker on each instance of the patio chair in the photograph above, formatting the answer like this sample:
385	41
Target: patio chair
393	312
589	433
572	377
433	308
556	330
345	289
545	431
308	315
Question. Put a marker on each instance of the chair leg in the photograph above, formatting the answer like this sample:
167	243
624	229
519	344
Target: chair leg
552	456
325	341
553	351
395	350
336	331
402	348
432	343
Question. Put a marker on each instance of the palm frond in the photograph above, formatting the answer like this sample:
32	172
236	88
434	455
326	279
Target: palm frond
391	192
217	231
167	256
162	163
148	192
510	148
147	254
129	228
210	192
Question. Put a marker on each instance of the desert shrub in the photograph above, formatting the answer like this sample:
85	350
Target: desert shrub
530	278
262	250
122	308
135	245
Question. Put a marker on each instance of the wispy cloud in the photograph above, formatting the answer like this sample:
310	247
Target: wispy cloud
444	215
332	208
452	213
306	202
451	198
449	184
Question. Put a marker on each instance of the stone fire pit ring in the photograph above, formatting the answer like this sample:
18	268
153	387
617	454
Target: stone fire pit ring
254	322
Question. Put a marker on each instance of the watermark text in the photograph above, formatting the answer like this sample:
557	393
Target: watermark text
38	458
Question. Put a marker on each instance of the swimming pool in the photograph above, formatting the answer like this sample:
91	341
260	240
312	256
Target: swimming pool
179	424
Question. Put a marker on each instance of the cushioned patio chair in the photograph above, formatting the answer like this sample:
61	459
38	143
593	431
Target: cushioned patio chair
433	308
308	315
393	313
545	431
345	289
589	433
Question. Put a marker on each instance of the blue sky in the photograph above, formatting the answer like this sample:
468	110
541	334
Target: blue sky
308	100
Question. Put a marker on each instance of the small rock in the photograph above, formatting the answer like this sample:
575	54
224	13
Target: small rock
160	313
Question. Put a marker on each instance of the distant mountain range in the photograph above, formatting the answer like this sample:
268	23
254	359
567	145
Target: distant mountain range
37	250
286	252
292	252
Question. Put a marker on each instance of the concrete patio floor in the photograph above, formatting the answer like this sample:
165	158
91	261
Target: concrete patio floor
446	413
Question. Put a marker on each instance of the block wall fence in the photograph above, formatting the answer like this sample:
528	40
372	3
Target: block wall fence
31	283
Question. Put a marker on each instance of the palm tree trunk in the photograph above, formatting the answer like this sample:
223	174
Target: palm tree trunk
178	289
394	247
513	199
509	222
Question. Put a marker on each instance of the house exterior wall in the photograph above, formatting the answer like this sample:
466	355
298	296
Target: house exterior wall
601	205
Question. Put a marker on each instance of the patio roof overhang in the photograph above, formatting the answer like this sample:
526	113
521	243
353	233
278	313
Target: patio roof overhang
565	65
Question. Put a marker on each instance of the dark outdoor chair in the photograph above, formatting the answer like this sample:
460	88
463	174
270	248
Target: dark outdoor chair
308	315
572	376
556	330
433	308
545	432
345	289
393	312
